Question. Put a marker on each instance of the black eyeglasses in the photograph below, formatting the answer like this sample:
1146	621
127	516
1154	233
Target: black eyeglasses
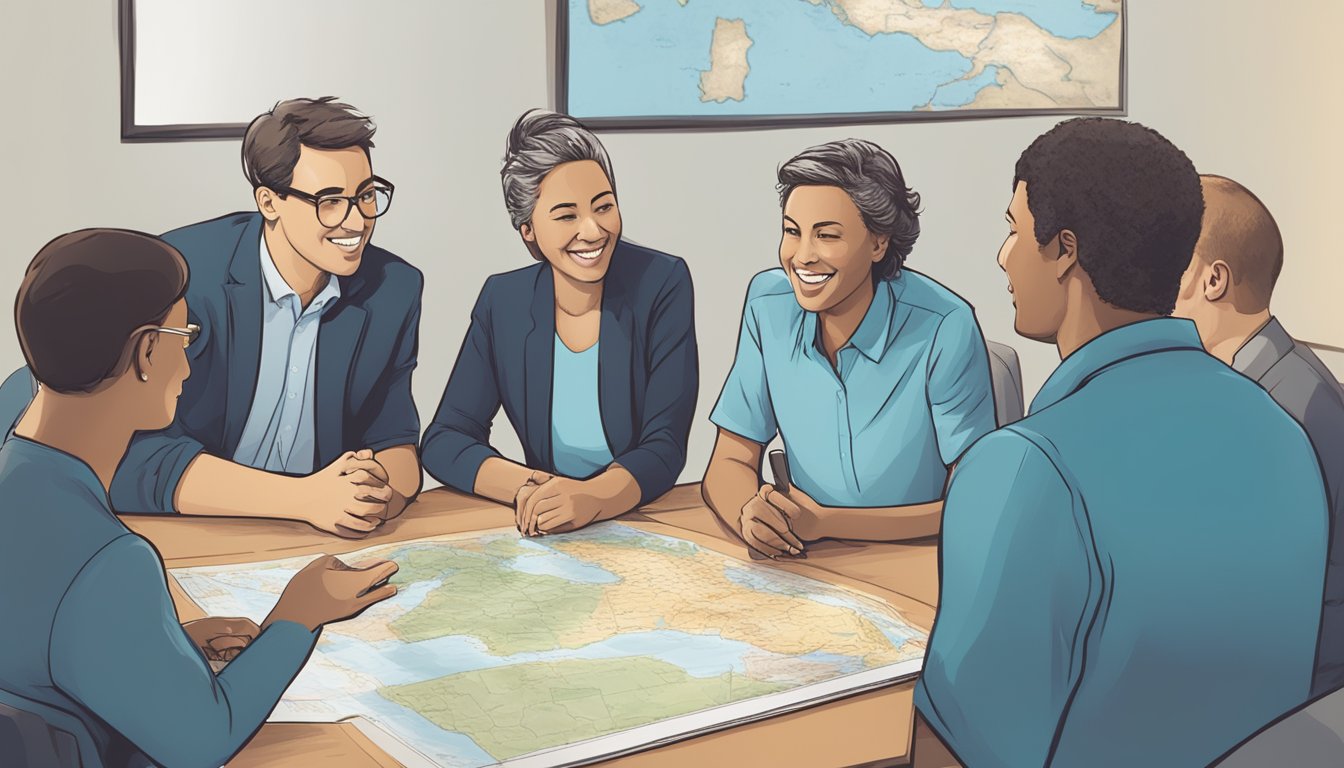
332	210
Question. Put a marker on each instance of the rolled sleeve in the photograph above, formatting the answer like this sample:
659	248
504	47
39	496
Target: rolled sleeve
457	440
960	389
744	406
1005	653
146	480
674	385
117	648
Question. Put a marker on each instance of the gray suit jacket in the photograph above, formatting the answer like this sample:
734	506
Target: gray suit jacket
1297	380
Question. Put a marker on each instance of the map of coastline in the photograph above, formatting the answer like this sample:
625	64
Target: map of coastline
498	647
801	57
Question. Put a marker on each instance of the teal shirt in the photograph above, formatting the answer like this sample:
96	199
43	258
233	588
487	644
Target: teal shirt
93	643
578	442
1132	575
911	394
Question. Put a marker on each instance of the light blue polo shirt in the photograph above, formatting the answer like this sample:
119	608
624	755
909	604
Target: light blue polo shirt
1132	575
911	394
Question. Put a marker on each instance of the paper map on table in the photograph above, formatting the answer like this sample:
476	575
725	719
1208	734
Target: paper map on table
567	649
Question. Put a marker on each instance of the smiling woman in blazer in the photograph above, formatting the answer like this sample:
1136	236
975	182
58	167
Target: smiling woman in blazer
591	351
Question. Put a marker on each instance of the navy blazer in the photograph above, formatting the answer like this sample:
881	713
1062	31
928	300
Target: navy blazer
366	352
648	372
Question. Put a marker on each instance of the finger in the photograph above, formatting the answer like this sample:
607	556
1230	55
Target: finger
542	493
364	565
538	477
370	510
381	493
549	504
236	627
381	570
366	465
224	643
547	521
356	524
374	596
782	530
768	537
364	453
229	655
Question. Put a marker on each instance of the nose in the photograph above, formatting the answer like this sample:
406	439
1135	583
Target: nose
354	220
805	254
1003	256
589	231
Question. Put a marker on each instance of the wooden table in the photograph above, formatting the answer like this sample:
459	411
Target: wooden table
871	729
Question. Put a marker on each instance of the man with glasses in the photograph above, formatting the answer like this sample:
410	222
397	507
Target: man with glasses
299	404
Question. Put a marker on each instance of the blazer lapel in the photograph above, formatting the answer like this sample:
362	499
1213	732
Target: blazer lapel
539	368
615	376
338	342
243	294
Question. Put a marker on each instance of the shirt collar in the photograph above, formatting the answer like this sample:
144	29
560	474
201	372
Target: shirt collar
278	290
870	338
1128	341
1260	352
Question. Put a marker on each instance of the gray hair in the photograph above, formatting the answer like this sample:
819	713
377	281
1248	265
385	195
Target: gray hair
873	180
540	141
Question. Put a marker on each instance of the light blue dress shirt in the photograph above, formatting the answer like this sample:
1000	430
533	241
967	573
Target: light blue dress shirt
578	442
92	640
911	394
279	434
1132	575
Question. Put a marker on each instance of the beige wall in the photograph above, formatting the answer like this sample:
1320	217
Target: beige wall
1247	89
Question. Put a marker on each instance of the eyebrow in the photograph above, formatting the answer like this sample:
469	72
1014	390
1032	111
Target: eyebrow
558	206
328	191
821	224
599	196
791	221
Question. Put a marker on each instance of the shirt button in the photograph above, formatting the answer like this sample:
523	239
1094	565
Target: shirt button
294	369
291	395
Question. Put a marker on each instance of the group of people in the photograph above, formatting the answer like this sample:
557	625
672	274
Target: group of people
1140	571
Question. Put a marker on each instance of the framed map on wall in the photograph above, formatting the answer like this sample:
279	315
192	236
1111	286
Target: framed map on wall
744	63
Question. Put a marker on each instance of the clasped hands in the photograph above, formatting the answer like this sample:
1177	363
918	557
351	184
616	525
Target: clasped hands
780	524
548	503
349	497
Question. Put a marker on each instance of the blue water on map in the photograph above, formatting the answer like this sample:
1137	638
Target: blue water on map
650	63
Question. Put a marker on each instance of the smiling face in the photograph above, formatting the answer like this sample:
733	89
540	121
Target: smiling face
576	223
825	248
335	250
1033	273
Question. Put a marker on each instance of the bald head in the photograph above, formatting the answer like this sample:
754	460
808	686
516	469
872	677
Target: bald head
1239	231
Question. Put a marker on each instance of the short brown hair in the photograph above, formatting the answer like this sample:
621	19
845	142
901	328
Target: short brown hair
83	296
1239	229
273	140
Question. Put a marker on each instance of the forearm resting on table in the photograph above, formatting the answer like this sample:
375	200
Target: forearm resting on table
729	484
913	521
499	479
403	472
618	489
215	487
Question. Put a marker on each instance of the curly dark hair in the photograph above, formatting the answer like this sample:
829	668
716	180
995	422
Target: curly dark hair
873	180
1130	196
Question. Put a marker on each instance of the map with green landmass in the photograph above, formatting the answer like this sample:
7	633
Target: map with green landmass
561	650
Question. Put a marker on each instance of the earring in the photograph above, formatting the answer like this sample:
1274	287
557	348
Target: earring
144	377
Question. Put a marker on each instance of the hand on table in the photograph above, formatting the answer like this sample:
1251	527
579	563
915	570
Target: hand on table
804	515
765	528
349	497
520	499
559	505
221	639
